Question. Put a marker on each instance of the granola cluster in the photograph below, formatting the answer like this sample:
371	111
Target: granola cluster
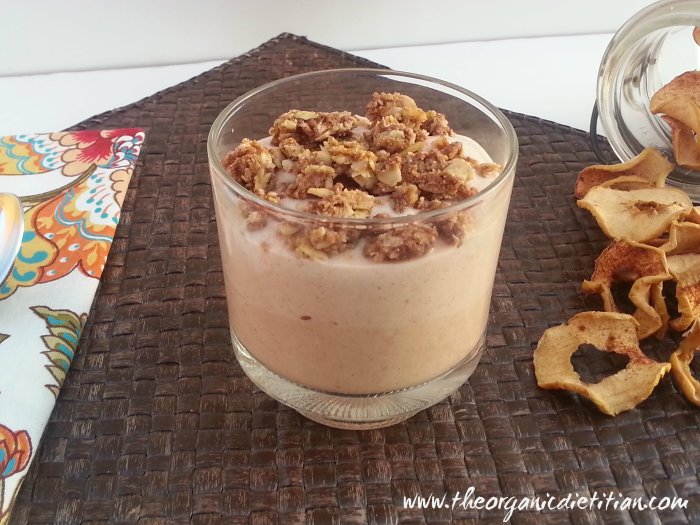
397	159
317	242
404	242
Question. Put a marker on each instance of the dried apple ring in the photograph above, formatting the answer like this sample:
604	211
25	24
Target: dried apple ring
608	332
688	297
635	215
648	169
645	267
626	183
679	264
694	215
685	148
683	237
680	365
685	269
680	99
657	300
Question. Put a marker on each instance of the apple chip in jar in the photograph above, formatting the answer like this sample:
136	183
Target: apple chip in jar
680	365
679	102
607	332
635	215
680	99
649	169
643	266
685	148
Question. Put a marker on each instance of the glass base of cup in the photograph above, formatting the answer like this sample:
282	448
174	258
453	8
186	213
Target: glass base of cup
357	411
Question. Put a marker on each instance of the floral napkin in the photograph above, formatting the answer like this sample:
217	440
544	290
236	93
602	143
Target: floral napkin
72	186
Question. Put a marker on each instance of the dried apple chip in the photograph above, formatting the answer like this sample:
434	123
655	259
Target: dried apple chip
648	169
657	299
635	215
688	297
683	260
645	267
680	365
628	182
684	109
609	332
696	35
683	237
679	102
694	215
679	264
680	99
685	85
686	149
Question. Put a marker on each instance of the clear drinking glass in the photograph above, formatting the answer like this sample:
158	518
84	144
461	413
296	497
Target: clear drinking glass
346	341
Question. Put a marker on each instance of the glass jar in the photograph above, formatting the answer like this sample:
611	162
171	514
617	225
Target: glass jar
647	52
344	340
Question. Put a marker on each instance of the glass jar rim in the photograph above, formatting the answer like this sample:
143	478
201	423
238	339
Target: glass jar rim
217	168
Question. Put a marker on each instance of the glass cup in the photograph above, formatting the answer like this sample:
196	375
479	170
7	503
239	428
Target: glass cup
346	341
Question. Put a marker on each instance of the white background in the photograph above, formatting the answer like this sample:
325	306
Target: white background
66	60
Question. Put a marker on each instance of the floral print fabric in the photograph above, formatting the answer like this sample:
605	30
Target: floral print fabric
72	186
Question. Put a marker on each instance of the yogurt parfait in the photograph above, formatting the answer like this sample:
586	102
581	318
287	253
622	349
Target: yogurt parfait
360	243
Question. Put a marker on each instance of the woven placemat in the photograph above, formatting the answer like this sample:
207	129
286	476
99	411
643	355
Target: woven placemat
157	424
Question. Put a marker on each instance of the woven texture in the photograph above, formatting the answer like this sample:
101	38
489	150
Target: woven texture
157	424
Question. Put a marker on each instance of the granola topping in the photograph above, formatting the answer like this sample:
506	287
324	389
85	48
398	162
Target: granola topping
251	165
316	242
311	127
312	176
401	107
436	124
256	220
392	135
397	160
399	244
340	202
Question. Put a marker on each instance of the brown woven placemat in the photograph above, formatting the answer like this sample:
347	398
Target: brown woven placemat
157	424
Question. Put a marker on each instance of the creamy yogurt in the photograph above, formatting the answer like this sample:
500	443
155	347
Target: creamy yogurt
350	325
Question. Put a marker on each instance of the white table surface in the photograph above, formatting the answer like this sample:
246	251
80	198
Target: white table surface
551	77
